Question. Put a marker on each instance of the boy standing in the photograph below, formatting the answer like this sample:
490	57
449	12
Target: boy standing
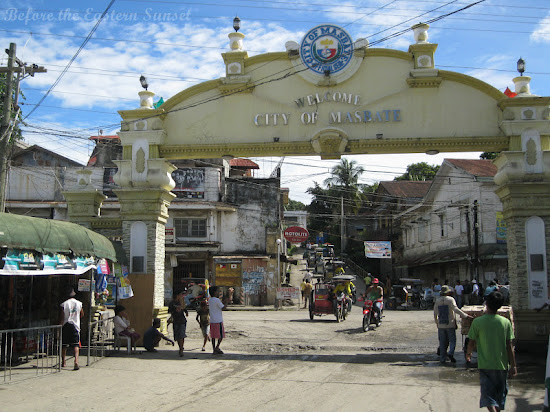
216	320
71	311
203	317
493	335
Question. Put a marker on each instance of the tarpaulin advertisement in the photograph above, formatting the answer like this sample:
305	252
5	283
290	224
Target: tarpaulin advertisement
378	250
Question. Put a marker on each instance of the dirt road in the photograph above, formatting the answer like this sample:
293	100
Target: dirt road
277	361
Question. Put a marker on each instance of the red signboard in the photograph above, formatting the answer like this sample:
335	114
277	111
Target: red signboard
296	234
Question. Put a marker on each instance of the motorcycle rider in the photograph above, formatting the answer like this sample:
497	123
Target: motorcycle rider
346	287
375	292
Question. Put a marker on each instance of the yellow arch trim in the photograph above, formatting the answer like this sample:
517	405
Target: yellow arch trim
396	54
190	92
473	83
266	58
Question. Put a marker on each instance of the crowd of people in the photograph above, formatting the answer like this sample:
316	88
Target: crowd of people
472	292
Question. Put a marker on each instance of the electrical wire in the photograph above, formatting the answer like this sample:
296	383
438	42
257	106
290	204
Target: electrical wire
71	61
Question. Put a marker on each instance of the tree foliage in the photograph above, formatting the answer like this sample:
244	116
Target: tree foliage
295	205
489	155
419	172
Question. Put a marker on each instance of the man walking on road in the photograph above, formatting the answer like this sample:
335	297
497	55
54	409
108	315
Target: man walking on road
444	315
217	331
493	335
71	311
306	292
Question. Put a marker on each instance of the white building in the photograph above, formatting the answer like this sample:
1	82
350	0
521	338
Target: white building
457	231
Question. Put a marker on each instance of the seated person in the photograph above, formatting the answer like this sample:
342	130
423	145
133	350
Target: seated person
122	324
152	337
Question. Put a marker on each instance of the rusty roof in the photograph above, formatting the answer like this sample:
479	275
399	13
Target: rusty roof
243	164
106	137
406	188
476	167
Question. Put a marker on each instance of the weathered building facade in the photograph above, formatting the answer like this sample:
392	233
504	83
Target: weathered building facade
457	232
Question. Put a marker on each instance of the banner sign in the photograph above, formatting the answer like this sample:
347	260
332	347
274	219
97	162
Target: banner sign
378	250
501	228
189	183
32	263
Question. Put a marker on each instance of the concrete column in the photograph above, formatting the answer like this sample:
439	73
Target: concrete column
83	200
525	195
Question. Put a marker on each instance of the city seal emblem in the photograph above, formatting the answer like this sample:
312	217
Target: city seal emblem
326	49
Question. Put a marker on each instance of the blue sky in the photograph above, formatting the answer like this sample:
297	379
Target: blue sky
177	44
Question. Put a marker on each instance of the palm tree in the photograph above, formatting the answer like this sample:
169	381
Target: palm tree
344	182
345	174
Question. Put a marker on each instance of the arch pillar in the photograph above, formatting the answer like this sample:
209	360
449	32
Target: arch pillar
523	185
145	183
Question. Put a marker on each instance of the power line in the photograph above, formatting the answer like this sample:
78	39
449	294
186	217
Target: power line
72	60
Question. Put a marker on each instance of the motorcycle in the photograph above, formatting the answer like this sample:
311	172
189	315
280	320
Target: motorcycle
370	315
341	307
428	299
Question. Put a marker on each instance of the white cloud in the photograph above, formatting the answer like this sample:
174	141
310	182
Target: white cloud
541	34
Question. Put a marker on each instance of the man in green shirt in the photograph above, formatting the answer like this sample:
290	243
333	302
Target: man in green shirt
493	335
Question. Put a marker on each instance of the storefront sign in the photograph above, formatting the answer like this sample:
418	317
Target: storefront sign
84	285
288	293
296	234
169	235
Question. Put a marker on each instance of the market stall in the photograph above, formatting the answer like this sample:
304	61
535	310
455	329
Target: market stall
39	259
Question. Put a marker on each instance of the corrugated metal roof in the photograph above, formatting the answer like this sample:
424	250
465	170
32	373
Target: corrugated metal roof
406	188
243	164
476	167
106	137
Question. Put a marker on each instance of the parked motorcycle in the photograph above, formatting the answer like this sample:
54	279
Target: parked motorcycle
370	315
427	299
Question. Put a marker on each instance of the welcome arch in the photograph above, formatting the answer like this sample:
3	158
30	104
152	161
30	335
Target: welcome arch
386	101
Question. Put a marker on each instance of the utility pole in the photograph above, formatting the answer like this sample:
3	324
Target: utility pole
342	228
7	125
476	243
469	236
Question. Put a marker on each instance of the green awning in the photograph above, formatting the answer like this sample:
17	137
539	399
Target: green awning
53	236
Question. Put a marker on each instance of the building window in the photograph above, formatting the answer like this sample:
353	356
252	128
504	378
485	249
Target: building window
443	225
186	228
422	236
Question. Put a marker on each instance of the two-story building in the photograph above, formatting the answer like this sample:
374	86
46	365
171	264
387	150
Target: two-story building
218	222
457	231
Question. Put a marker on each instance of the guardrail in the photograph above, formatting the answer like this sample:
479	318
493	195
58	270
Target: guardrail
30	352
356	268
101	339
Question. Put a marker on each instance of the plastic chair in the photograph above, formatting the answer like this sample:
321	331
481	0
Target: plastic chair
119	339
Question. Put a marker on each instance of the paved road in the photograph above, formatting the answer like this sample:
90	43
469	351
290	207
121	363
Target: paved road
281	361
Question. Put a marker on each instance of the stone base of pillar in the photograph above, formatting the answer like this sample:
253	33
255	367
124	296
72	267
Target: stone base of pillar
532	329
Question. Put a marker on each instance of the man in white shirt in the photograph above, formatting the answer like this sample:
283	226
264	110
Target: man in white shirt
475	293
71	311
459	290
217	331
444	316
